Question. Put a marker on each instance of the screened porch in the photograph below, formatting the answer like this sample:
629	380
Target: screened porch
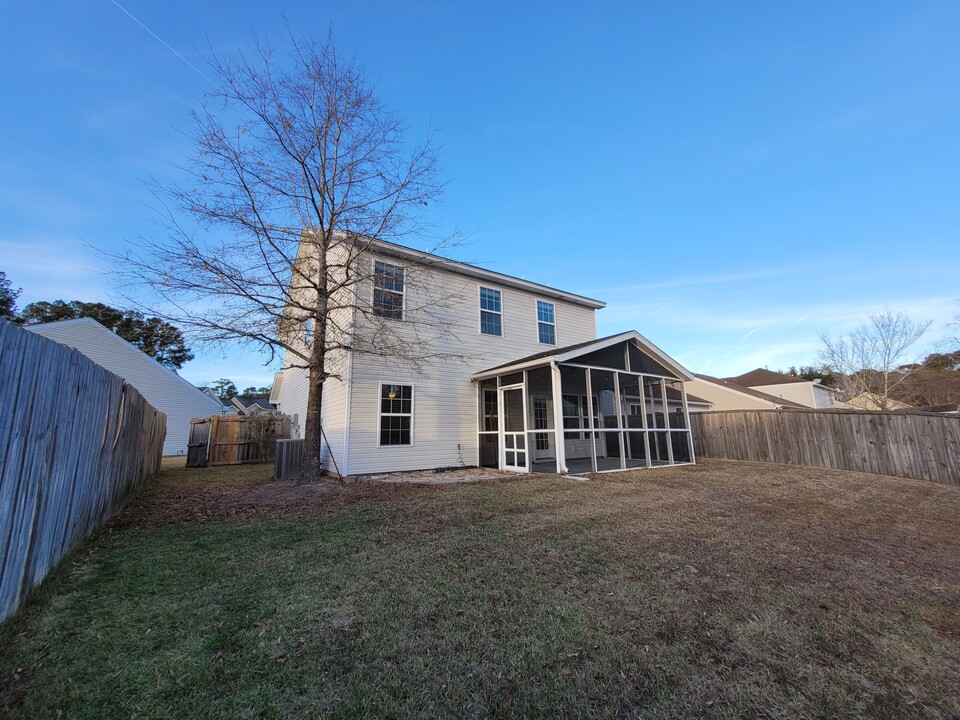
602	406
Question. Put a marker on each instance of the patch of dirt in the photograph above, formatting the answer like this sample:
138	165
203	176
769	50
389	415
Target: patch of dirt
249	493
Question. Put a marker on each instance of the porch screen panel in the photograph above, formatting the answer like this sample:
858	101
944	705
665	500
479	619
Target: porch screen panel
631	417
513	411
677	418
653	397
680	438
488	406
488	409
606	410
573	394
542	439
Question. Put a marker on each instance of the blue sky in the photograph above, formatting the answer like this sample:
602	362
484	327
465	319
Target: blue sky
732	178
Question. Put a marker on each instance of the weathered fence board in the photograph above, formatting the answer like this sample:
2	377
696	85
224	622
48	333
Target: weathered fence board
235	439
918	445
75	440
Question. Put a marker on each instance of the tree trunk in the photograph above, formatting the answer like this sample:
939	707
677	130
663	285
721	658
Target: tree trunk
312	436
312	431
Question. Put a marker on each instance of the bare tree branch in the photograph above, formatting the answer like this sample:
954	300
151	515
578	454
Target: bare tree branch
299	174
872	360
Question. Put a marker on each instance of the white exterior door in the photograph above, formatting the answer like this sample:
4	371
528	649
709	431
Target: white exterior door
513	436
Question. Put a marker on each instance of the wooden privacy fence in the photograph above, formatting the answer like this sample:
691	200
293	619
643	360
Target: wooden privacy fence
235	439
75	441
917	445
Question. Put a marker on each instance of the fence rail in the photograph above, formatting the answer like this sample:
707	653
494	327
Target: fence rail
921	446
75	441
235	439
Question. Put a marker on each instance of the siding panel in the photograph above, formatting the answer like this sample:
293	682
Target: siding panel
445	403
161	387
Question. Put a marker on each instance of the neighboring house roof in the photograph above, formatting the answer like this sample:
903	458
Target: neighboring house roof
761	376
244	402
209	393
744	390
569	352
161	386
694	400
461	268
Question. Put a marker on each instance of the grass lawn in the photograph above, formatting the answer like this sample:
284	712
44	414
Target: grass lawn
721	590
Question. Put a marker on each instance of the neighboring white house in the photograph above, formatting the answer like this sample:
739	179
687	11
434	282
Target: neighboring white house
534	389
163	388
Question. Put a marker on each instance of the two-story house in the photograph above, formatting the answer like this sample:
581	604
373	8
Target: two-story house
532	387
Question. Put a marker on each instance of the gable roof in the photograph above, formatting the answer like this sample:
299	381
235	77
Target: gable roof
744	390
570	352
94	326
245	402
429	259
762	376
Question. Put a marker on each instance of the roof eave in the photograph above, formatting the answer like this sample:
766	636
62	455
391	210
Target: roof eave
455	266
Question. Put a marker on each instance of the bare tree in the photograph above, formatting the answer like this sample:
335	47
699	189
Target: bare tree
299	172
872	360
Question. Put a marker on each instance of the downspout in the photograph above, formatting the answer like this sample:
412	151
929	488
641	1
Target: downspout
347	409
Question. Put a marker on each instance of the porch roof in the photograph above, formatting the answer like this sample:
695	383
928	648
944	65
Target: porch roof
571	352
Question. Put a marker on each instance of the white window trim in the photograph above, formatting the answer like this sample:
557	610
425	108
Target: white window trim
373	289
380	414
480	312
536	315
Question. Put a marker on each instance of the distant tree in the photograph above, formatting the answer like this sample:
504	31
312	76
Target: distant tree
811	372
158	339
8	298
943	361
225	389
262	393
872	360
935	381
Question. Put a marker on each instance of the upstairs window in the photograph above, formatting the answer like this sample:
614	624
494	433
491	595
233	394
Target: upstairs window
491	312
387	290
546	323
396	414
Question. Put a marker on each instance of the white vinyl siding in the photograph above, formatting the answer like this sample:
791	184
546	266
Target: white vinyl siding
161	387
445	419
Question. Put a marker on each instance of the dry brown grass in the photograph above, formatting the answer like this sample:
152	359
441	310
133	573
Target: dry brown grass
722	590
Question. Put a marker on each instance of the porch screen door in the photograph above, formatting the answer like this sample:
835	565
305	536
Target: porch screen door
513	436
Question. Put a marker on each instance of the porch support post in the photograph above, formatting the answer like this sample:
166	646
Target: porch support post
525	394
686	416
666	420
560	444
591	433
646	425
618	403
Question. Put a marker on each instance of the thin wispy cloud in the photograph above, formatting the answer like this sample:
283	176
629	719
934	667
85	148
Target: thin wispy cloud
162	41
